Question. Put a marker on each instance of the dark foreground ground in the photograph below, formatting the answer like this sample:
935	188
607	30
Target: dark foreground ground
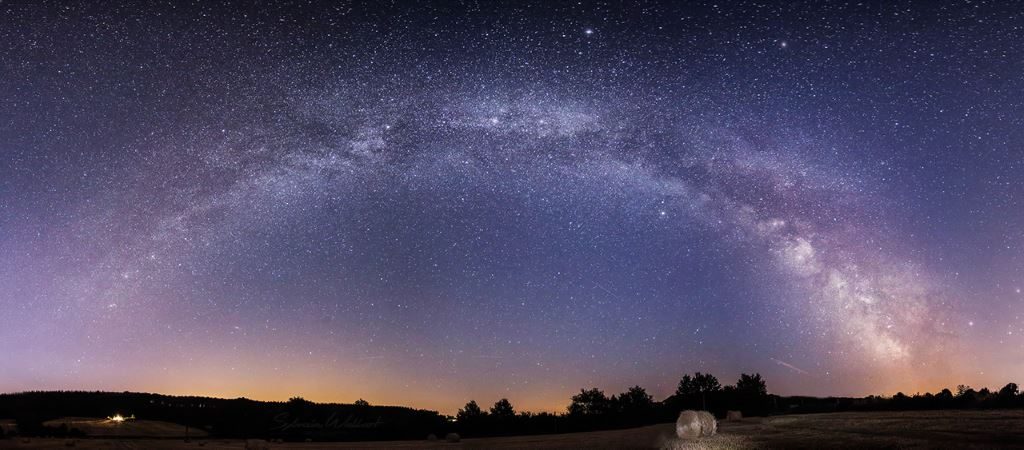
914	429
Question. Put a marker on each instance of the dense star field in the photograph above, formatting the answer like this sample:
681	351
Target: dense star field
425	204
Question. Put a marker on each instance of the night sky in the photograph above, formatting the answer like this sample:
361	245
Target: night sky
423	204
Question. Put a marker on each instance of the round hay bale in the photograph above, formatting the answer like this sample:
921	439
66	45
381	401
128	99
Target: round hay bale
733	415
694	424
453	437
431	437
709	423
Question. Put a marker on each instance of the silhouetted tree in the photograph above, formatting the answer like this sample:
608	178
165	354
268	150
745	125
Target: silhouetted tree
469	412
613	404
751	396
299	407
966	396
635	406
1010	390
1007	396
686	386
706	382
589	402
697	386
944	399
984	392
361	402
752	384
502	408
635	398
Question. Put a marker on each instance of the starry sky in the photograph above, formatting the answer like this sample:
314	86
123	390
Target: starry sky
427	203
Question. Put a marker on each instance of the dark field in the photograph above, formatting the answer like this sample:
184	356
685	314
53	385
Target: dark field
134	428
914	429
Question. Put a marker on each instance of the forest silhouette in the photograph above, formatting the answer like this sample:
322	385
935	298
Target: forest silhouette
588	410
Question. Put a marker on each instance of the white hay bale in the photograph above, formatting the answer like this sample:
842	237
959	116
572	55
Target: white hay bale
733	415
695	424
453	437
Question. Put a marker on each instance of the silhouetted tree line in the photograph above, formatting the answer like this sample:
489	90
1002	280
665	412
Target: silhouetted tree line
590	409
1008	396
297	419
703	391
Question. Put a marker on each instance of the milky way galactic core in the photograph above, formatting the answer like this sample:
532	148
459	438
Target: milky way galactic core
427	203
